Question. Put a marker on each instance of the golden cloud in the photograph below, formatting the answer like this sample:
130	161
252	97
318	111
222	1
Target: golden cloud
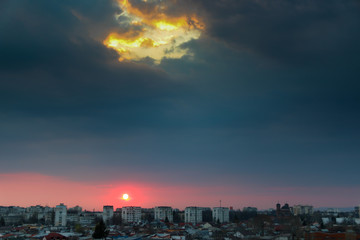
161	34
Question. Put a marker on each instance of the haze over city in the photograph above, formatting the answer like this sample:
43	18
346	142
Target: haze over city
179	103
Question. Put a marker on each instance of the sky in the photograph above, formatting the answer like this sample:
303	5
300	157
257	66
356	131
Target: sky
179	103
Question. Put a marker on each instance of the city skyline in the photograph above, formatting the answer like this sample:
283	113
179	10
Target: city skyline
121	202
180	102
189	207
165	222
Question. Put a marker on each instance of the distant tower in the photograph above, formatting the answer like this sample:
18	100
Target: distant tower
278	209
357	211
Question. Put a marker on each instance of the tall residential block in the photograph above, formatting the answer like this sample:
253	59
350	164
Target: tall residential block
60	215
131	214
108	213
162	213
303	210
221	214
194	215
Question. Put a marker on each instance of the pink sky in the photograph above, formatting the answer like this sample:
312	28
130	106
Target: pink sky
27	189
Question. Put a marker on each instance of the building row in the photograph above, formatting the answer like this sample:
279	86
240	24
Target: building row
133	214
63	216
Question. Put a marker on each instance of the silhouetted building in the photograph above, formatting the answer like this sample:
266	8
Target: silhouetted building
283	211
250	209
357	211
87	218
108	213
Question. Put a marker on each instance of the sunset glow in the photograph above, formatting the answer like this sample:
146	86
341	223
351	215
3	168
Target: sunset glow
153	33
93	196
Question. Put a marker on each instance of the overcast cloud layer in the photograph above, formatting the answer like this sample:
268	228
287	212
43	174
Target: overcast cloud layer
269	96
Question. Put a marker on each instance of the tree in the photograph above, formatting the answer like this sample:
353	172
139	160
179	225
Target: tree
116	219
149	217
207	216
234	216
219	235
52	217
176	217
150	229
295	227
33	218
259	222
100	230
79	228
218	222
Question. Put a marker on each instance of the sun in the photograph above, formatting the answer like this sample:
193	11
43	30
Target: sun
125	197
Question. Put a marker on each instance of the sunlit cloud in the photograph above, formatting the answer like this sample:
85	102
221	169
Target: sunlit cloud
158	35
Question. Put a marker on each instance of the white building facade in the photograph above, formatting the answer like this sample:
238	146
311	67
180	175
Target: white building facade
131	214
193	215
60	215
162	213
303	210
221	214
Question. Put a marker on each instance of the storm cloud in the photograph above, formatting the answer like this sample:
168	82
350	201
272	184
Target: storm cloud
267	95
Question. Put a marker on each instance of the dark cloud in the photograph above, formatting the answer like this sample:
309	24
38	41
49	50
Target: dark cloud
66	103
53	58
293	32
